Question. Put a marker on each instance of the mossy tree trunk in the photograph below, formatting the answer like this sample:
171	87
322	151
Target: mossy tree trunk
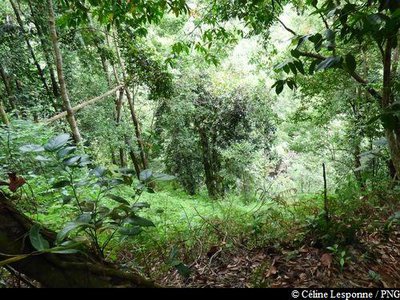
57	270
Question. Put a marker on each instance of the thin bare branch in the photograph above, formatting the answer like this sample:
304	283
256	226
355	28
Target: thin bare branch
84	104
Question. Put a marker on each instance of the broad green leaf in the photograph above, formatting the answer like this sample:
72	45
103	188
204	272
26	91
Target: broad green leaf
99	171
312	67
279	88
132	231
317	40
139	221
115	182
42	158
342	262
57	142
67	247
299	66
295	53
65	151
31	148
37	240
145	175
293	68
118	199
72	161
330	62
85	160
84	218
69	227
60	250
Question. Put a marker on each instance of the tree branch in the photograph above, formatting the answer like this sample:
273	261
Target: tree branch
84	104
287	28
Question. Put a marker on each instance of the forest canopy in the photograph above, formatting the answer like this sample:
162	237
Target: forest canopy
199	143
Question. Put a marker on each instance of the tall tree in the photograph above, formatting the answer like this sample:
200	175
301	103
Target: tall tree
59	62
36	10
17	13
131	102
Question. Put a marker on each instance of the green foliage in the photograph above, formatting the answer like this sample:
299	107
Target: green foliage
340	255
135	14
37	240
95	220
209	104
392	221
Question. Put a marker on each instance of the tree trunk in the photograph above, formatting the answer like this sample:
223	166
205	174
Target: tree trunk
119	105
46	50
131	103
138	133
56	270
358	134
3	115
357	165
104	64
134	159
208	165
31	52
392	136
7	86
64	93
113	158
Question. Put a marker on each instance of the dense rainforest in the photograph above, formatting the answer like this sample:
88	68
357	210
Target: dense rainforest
200	143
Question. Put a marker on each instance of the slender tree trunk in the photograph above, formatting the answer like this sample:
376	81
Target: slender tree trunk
392	136
113	158
207	164
31	51
357	165
138	133
56	270
46	50
131	103
8	88
358	134
118	109
216	166
134	159
104	64
118	118
128	142
3	115
64	93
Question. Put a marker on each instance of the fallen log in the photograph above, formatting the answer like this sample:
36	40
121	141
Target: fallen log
57	270
83	105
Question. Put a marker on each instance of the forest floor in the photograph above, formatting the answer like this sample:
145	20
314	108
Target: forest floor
374	262
371	260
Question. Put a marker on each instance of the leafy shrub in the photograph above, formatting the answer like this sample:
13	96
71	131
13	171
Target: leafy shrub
99	214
